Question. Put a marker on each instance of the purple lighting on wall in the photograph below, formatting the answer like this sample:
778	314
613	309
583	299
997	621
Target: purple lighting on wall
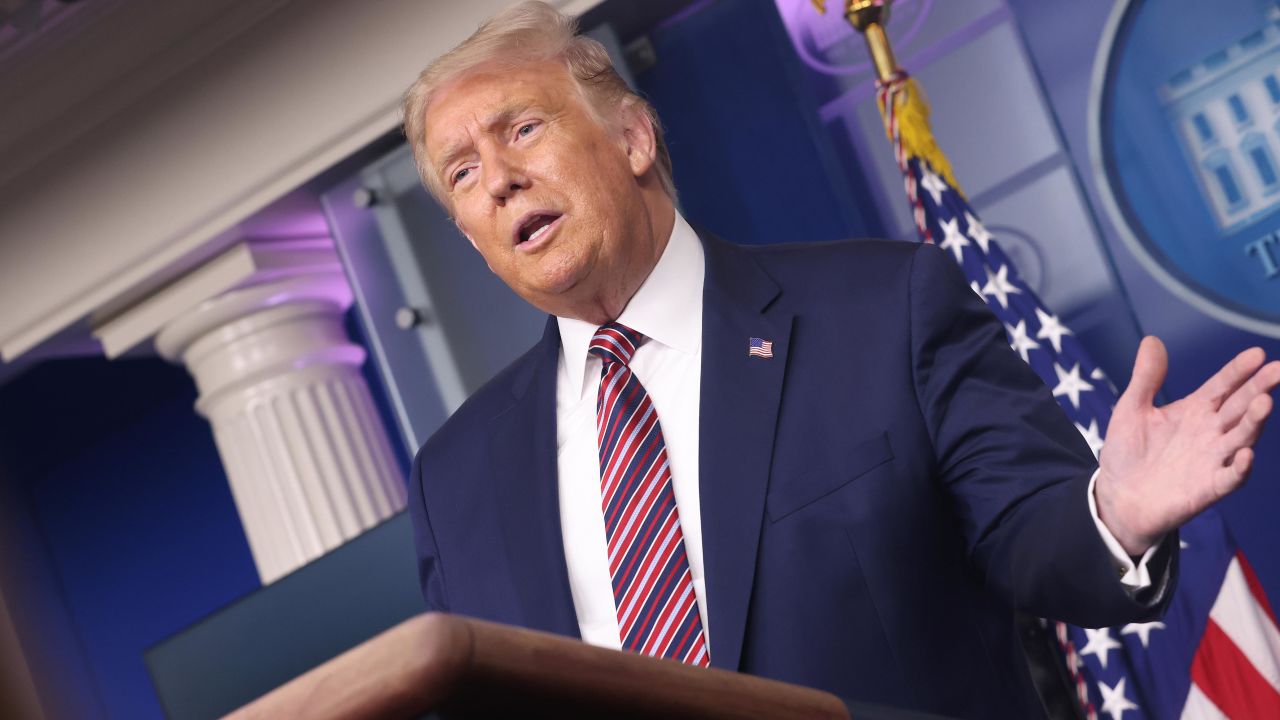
685	13
810	31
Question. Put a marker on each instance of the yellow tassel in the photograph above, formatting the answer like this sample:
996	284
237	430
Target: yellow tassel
912	110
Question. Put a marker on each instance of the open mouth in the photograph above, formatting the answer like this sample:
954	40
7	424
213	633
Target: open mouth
535	226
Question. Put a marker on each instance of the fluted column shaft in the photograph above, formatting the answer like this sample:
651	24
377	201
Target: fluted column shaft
306	454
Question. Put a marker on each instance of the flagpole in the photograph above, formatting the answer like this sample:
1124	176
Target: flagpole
869	17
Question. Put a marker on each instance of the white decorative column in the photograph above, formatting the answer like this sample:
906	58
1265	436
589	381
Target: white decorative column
304	449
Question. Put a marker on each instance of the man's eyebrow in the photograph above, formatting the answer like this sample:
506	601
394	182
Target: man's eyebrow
500	118
505	116
451	153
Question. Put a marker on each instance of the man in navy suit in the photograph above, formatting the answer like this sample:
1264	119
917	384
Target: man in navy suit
841	476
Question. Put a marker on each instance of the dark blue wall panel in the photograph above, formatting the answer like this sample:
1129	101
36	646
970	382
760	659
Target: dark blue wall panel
307	617
147	541
36	603
128	519
751	161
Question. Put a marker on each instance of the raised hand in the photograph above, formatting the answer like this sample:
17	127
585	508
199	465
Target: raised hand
1163	465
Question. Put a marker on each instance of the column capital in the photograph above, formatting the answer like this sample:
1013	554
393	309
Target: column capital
261	329
247	263
245	309
257	338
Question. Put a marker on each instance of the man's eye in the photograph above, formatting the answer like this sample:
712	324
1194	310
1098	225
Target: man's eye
458	176
525	129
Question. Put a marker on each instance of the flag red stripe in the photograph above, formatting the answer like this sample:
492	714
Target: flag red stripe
1229	680
1255	587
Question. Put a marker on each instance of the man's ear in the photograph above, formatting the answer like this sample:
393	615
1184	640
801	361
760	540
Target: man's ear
639	136
465	234
471	240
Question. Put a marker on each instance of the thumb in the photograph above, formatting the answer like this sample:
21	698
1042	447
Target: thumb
1149	369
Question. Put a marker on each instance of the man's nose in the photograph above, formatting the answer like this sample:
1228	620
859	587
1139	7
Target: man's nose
502	176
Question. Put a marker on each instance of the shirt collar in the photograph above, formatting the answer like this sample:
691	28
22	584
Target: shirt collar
667	308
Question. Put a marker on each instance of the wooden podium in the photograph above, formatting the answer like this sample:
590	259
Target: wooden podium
462	668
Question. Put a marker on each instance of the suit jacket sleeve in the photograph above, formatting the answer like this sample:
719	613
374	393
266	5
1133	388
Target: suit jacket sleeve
1015	466
430	574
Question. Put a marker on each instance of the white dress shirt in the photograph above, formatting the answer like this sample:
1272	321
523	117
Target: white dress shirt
667	309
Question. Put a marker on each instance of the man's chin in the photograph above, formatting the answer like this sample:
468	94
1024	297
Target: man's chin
559	282
555	293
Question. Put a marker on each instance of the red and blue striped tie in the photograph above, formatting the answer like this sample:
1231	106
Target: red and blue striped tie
652	586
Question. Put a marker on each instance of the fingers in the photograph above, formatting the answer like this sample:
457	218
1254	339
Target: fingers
1261	382
1232	375
1228	479
1149	369
1246	432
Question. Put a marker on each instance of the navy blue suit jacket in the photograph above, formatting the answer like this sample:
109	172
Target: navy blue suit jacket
876	498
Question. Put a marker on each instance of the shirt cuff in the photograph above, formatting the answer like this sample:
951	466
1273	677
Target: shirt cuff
1133	576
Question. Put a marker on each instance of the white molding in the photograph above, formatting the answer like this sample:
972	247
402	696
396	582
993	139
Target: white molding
75	74
575	7
245	263
160	186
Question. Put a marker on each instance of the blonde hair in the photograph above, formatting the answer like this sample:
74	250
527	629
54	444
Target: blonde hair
529	32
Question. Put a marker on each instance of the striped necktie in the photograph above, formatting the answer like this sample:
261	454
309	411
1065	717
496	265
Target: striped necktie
652	586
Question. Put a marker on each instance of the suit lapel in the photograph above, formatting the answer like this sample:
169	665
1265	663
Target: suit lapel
523	446
740	396
739	402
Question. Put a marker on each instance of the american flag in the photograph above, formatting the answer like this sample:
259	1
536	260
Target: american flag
1216	654
757	347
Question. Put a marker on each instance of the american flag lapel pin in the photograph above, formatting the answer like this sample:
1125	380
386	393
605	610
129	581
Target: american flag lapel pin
759	347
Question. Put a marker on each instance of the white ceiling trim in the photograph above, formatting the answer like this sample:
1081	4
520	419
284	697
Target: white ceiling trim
161	185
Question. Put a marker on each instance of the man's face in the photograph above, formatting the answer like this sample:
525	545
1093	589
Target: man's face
546	192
